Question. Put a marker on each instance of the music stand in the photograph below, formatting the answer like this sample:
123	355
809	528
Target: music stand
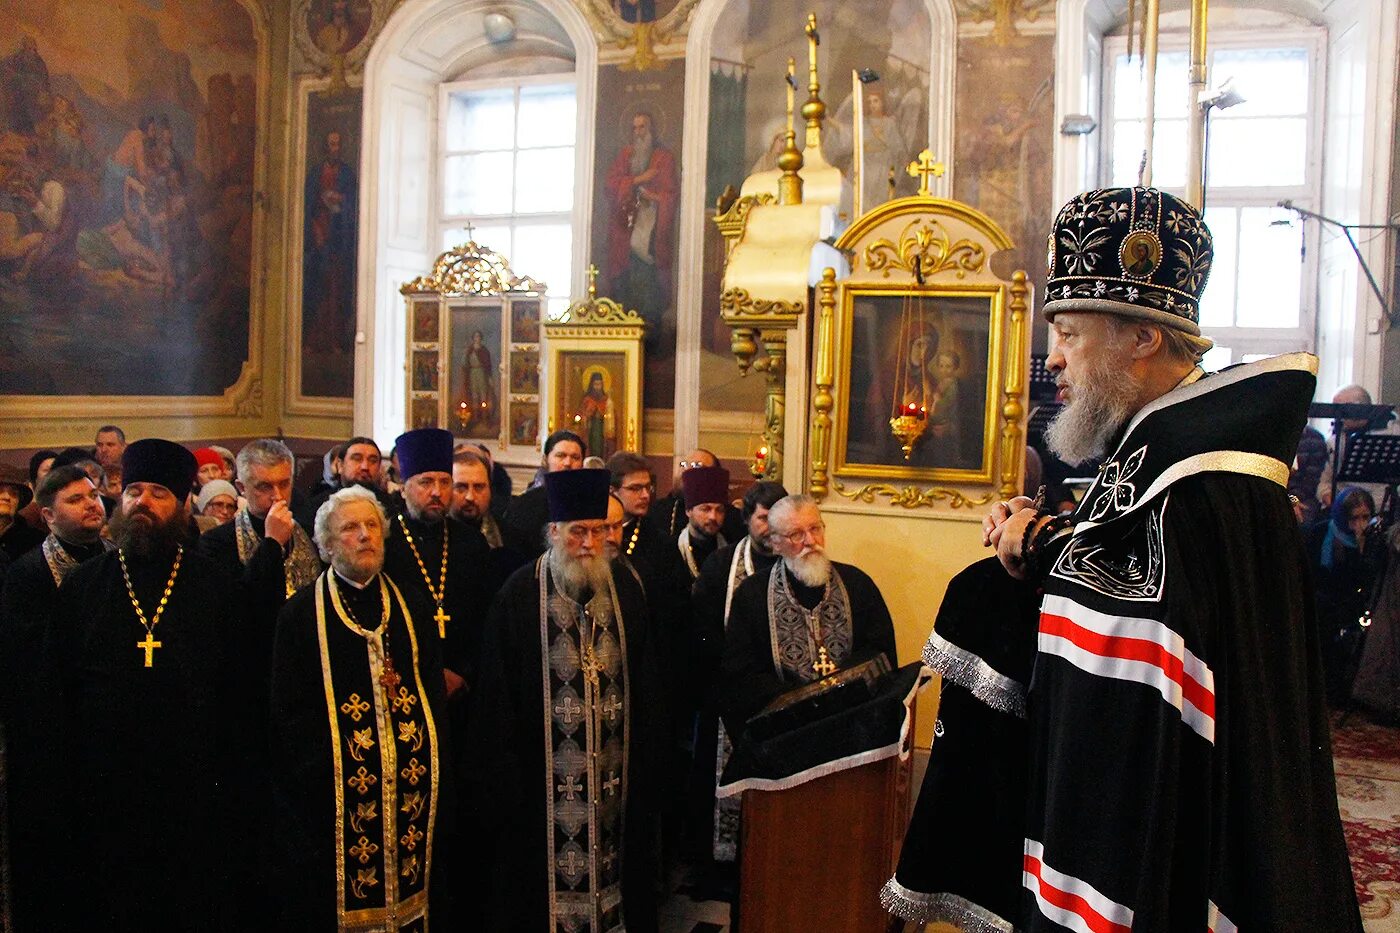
1376	417
1040	419
1041	381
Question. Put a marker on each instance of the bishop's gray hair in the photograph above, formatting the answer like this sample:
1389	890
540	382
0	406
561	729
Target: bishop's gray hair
324	534
786	506
266	452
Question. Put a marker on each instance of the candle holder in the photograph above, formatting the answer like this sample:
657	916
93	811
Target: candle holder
908	426
464	415
759	467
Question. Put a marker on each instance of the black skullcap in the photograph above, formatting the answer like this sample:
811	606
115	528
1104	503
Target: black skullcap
1137	252
155	460
424	450
73	455
577	494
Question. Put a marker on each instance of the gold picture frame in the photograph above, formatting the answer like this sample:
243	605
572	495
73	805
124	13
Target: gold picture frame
921	327
592	374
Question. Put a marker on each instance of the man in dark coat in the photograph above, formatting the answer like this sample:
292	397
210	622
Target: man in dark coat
144	645
72	511
567	810
528	513
1180	773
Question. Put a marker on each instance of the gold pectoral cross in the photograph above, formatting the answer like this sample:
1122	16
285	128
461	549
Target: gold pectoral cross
823	665
149	646
591	665
441	618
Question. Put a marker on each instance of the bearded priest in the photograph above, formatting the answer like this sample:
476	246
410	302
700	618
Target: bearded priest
357	754
823	616
562	733
151	723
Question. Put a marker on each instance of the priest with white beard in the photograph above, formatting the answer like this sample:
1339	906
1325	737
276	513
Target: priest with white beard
805	619
562	735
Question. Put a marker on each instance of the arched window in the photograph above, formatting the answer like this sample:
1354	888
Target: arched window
477	113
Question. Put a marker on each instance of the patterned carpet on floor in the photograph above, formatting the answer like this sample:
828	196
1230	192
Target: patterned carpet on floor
1367	761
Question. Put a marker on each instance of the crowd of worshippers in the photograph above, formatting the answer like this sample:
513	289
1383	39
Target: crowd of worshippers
229	704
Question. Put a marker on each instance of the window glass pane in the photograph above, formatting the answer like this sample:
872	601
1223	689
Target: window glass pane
1270	268
1216	359
1218	302
544	252
1130	88
481	119
1168	153
477	184
546	116
546	180
1251	153
1274	82
555	308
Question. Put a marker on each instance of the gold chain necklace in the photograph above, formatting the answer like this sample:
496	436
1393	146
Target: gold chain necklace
149	643
439	592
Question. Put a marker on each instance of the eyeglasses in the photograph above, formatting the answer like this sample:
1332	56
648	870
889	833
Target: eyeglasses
797	537
692	464
638	488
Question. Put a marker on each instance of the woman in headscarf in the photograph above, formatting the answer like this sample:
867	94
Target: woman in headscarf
1344	575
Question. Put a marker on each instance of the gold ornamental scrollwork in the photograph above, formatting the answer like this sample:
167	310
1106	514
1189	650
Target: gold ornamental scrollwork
472	269
925	250
594	311
738	304
912	497
732	219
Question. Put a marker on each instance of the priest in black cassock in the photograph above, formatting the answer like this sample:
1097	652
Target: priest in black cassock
145	651
72	510
442	560
563	735
711	600
359	750
1178	765
806	618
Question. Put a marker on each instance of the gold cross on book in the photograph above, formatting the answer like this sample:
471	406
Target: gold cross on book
824	665
149	646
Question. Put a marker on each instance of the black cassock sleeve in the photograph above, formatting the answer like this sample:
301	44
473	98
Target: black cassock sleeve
747	680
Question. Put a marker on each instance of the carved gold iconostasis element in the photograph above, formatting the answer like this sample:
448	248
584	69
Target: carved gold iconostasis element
1005	14
593	373
642	31
474	349
772	230
921	359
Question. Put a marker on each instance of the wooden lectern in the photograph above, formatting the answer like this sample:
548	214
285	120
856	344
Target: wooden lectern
814	857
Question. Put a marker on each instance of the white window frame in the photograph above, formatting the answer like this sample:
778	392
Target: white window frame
1243	341
557	297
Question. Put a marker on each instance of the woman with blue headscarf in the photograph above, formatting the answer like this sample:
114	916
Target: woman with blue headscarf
1344	573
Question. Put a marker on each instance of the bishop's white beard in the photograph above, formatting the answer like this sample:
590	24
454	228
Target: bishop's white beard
1101	402
812	568
575	575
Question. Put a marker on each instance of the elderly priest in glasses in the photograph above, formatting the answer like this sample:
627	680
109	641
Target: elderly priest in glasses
803	620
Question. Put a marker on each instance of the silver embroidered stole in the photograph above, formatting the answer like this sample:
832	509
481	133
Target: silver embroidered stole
60	562
791	626
726	834
299	568
587	719
385	758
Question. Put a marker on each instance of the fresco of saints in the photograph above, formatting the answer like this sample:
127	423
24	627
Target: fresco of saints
642	191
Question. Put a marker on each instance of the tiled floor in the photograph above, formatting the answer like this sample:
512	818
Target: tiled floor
683	913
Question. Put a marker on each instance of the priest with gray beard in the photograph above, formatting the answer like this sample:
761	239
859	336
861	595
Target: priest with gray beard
561	735
805	619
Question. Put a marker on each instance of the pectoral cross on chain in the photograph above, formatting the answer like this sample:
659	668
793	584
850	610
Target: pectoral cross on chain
823	665
441	618
149	646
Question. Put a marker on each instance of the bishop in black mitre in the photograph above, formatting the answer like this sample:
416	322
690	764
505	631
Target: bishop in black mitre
808	617
144	647
72	510
563	734
359	753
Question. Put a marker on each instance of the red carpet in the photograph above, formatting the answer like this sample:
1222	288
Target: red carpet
1367	758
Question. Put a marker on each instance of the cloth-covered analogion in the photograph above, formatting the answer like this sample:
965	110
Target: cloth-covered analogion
359	758
1181	769
562	740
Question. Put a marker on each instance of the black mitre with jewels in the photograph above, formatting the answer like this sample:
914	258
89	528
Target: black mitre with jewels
1136	252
